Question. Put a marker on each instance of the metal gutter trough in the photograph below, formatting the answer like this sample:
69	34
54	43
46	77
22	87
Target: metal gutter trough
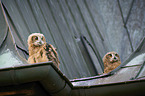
49	76
52	80
56	84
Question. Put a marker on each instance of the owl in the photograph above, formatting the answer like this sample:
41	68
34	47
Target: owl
111	61
40	51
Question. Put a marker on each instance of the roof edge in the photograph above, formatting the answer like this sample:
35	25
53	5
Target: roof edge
49	76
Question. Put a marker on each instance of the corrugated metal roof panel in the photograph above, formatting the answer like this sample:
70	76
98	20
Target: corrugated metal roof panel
106	24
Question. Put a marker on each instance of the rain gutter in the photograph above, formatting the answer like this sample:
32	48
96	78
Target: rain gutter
56	83
124	88
49	76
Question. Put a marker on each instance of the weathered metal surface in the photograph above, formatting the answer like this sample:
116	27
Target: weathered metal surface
109	25
136	22
3	27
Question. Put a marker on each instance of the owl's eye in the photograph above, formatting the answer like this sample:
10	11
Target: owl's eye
110	55
116	54
36	38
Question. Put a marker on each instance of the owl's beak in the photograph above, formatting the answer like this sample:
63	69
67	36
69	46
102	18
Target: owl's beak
40	42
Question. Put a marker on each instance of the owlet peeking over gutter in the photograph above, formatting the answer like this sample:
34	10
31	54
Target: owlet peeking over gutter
40	51
111	61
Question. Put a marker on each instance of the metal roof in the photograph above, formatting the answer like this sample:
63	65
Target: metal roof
82	31
107	25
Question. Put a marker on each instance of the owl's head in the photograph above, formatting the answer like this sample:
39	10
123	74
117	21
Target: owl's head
36	40
112	57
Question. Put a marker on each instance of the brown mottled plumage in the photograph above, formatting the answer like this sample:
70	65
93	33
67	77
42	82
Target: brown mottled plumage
40	51
111	61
